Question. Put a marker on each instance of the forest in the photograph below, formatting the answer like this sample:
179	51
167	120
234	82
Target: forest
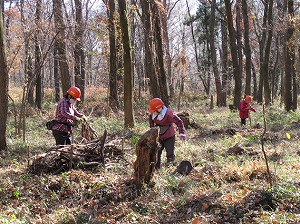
201	58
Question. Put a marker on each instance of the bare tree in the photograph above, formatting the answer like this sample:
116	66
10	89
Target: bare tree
128	107
267	50
38	74
247	48
79	52
224	60
218	83
235	62
61	45
149	58
113	90
162	78
289	60
4	79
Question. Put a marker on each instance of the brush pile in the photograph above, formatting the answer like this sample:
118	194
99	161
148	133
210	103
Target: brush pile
87	154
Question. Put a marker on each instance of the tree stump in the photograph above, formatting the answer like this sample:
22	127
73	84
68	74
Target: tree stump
146	157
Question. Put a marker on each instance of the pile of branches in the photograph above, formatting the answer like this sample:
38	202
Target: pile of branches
62	158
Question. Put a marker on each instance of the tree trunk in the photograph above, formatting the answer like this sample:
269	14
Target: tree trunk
267	90
288	97
213	53
239	38
61	45
113	91
164	23
247	48
128	107
38	74
27	62
262	44
254	82
79	52
56	72
149	60
28	73
235	63
292	56
224	61
4	79
146	157
162	79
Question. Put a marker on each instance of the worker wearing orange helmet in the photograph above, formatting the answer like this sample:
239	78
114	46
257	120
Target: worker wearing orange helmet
65	116
164	118
245	108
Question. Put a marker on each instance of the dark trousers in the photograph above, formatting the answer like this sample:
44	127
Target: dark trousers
169	145
243	121
61	138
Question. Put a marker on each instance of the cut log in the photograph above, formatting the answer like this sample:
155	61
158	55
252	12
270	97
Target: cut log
146	157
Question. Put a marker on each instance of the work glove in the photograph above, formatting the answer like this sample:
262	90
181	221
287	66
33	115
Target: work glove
182	137
78	119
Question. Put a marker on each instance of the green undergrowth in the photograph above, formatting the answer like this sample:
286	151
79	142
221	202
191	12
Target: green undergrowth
222	187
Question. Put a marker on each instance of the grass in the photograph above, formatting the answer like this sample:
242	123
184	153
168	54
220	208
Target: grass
222	187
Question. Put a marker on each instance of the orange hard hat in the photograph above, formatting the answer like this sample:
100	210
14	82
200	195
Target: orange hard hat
74	92
155	104
248	99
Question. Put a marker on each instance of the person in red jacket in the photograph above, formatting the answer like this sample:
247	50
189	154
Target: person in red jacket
245	107
164	118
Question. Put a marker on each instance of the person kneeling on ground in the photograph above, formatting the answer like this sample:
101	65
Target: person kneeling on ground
164	118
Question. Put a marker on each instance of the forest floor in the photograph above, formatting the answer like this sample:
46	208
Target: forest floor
229	182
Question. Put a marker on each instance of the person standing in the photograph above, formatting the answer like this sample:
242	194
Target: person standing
245	108
164	118
65	116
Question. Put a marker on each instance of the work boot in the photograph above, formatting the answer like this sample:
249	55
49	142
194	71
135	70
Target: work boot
170	161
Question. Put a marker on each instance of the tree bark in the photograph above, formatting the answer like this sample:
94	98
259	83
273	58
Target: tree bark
162	79
164	23
61	45
146	157
233	48
113	91
30	79
288	97
247	48
239	37
224	61
128	107
267	90
148	38
39	86
56	72
79	52
214	55
4	79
